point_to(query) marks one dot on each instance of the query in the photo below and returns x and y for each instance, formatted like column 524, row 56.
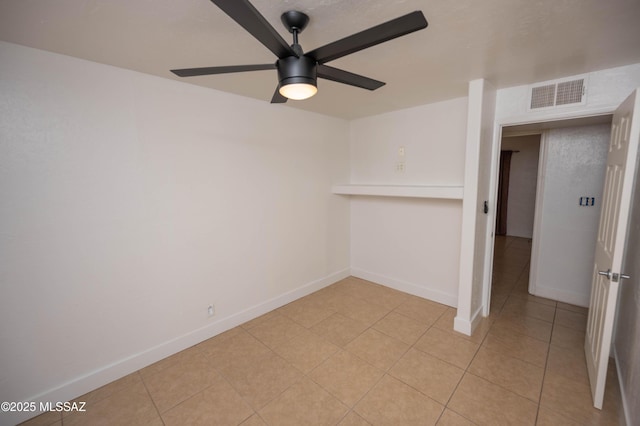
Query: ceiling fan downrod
column 297, row 75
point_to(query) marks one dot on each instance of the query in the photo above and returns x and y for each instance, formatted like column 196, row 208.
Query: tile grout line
column 466, row 370
column 546, row 363
column 150, row 397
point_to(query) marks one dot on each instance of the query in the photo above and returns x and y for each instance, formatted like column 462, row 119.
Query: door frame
column 539, row 118
column 537, row 202
column 537, row 215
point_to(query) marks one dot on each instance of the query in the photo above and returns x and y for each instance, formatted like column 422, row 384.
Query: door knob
column 613, row 276
column 606, row 273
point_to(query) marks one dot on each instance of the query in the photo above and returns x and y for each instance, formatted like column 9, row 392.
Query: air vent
column 569, row 92
column 543, row 96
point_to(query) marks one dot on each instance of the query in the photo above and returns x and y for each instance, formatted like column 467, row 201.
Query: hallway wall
column 522, row 184
column 574, row 166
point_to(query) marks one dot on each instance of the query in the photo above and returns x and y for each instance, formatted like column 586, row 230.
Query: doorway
column 547, row 211
column 517, row 184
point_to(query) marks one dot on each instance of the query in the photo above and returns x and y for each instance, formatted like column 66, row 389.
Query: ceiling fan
column 298, row 71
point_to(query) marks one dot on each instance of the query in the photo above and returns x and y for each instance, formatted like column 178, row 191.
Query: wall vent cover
column 566, row 92
column 543, row 96
column 570, row 92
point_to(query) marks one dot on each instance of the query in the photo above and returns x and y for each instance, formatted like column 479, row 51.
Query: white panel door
column 614, row 217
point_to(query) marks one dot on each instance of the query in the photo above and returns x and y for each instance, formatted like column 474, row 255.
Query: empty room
column 263, row 212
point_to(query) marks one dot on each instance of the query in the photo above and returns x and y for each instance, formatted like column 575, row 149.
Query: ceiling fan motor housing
column 292, row 70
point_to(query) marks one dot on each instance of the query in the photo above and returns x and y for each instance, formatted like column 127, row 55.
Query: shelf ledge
column 411, row 191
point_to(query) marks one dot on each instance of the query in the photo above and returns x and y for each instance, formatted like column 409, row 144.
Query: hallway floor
column 357, row 353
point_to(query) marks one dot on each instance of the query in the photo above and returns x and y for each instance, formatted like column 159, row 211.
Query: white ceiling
column 508, row 42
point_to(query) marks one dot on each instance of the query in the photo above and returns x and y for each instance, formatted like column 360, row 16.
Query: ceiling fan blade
column 192, row 72
column 346, row 77
column 251, row 20
column 389, row 30
column 277, row 97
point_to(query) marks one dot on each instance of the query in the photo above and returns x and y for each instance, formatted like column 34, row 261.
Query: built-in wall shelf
column 411, row 191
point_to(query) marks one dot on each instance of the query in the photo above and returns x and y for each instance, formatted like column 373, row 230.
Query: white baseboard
column 463, row 325
column 108, row 373
column 407, row 287
column 571, row 298
column 466, row 326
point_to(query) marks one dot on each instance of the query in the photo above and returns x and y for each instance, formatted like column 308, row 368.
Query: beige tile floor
column 357, row 353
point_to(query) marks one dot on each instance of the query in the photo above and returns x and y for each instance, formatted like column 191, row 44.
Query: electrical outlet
column 401, row 151
column 211, row 310
column 400, row 166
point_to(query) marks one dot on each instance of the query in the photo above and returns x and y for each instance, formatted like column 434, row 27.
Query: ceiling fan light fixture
column 298, row 91
column 297, row 77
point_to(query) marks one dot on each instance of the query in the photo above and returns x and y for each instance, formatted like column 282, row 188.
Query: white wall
column 522, row 184
column 574, row 165
column 412, row 245
column 130, row 202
